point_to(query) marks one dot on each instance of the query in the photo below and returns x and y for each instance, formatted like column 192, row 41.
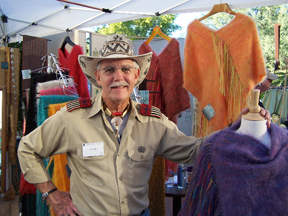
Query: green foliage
column 281, row 79
column 265, row 18
column 141, row 27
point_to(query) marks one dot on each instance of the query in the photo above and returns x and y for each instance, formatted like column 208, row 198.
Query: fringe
column 231, row 86
column 202, row 195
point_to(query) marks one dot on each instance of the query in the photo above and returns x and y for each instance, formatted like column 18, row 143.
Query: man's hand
column 61, row 203
column 263, row 112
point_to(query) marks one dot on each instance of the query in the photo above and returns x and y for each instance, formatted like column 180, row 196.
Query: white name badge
column 93, row 149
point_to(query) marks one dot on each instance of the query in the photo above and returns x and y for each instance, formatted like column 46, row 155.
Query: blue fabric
column 45, row 101
column 146, row 213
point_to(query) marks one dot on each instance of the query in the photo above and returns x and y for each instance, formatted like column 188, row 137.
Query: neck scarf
column 116, row 117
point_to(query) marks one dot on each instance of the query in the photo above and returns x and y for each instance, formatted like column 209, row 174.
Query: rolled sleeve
column 48, row 139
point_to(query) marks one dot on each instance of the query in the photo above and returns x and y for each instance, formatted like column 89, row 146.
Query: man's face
column 117, row 85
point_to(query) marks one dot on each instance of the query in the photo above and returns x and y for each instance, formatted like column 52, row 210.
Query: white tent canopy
column 46, row 17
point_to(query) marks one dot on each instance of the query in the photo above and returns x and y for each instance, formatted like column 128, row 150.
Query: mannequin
column 241, row 170
column 253, row 124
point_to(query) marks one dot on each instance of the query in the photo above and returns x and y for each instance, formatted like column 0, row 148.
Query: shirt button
column 120, row 177
column 122, row 202
column 119, row 154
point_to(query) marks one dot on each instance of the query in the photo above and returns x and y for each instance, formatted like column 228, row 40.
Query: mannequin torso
column 255, row 129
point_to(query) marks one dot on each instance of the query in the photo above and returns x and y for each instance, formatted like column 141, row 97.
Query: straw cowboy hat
column 115, row 47
column 271, row 76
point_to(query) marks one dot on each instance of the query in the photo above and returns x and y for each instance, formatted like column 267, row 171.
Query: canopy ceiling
column 46, row 17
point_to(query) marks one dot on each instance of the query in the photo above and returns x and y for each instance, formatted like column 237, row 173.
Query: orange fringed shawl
column 221, row 67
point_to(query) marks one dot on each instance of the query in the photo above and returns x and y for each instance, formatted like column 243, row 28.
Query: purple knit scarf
column 237, row 175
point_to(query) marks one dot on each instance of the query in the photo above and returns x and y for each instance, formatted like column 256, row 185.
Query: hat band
column 122, row 53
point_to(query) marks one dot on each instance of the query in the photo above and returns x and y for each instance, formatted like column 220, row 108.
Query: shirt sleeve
column 176, row 146
column 48, row 139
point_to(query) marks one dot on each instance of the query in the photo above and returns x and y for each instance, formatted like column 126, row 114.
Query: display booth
column 49, row 76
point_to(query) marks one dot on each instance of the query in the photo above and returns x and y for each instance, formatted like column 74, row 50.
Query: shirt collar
column 97, row 106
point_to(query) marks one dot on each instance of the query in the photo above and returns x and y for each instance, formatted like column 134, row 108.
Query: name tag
column 93, row 149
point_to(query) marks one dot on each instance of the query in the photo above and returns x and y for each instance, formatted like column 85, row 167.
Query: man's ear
column 97, row 74
column 137, row 75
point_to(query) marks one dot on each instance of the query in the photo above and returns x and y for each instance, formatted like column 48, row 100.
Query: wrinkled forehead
column 116, row 62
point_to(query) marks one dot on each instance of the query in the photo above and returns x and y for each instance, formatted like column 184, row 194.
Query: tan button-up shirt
column 116, row 182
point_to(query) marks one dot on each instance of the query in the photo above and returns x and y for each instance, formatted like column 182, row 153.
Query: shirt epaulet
column 78, row 103
column 148, row 110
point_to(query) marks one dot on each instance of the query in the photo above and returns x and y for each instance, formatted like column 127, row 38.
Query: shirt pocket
column 140, row 165
column 93, row 170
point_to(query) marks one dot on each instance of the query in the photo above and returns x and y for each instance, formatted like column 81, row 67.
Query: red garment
column 26, row 187
column 70, row 61
column 166, row 70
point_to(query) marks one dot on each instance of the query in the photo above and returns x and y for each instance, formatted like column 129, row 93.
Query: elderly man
column 111, row 142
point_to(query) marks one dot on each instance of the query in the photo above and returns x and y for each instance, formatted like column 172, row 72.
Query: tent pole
column 163, row 11
column 99, row 14
column 34, row 23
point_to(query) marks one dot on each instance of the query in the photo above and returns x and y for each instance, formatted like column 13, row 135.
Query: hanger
column 68, row 40
column 219, row 8
column 157, row 30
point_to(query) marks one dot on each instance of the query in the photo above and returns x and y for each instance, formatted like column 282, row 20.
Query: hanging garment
column 59, row 91
column 166, row 70
column 70, row 61
column 45, row 101
column 221, row 67
column 237, row 175
column 31, row 122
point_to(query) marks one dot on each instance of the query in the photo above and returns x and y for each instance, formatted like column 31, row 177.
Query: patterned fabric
column 79, row 103
column 221, row 67
column 238, row 175
column 148, row 110
column 116, row 44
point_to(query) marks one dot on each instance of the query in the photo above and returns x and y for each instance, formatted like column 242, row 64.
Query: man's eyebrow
column 109, row 66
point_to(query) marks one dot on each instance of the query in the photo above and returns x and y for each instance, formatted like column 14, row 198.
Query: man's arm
column 49, row 139
column 179, row 148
